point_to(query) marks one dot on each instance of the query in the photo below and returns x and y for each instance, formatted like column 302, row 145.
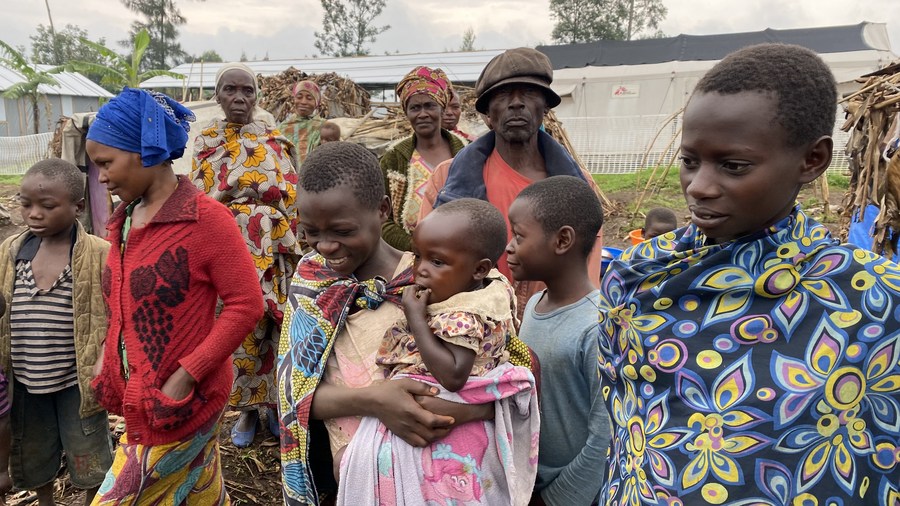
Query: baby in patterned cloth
column 460, row 310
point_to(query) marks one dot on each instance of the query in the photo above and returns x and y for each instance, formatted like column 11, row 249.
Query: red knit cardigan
column 161, row 296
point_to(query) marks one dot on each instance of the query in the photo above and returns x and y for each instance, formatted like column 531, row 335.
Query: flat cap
column 522, row 65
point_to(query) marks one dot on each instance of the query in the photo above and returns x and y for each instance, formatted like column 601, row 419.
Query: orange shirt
column 503, row 184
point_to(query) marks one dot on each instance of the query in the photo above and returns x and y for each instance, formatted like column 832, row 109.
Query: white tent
column 616, row 94
column 623, row 89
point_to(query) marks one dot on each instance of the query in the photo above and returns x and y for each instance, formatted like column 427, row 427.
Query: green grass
column 669, row 194
column 11, row 179
column 635, row 181
column 838, row 182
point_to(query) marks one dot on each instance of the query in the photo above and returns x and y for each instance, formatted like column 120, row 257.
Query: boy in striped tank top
column 5, row 481
column 50, row 338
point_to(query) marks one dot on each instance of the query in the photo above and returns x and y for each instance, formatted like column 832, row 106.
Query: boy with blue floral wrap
column 749, row 358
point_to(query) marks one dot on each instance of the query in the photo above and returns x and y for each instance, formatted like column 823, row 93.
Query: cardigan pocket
column 167, row 414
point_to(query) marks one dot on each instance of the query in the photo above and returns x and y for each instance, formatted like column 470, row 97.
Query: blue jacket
column 466, row 175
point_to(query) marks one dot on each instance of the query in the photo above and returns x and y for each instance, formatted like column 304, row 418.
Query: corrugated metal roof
column 461, row 67
column 70, row 83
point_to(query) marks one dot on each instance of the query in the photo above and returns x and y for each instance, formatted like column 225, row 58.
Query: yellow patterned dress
column 249, row 168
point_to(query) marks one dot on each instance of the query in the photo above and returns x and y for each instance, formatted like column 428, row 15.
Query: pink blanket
column 490, row 463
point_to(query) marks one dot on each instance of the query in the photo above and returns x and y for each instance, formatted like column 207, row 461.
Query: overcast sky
column 284, row 28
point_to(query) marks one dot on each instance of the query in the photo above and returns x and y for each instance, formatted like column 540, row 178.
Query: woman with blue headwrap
column 165, row 364
column 246, row 165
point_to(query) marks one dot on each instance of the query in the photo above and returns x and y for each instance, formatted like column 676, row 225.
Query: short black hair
column 488, row 232
column 661, row 215
column 800, row 82
column 560, row 201
column 344, row 163
column 57, row 169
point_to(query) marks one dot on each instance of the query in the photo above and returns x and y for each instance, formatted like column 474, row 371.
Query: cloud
column 284, row 28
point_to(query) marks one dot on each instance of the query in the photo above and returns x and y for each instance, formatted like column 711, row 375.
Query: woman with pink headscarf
column 407, row 165
column 302, row 127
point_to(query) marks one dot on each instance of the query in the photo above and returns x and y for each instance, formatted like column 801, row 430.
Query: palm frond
column 13, row 58
column 18, row 90
column 141, row 42
column 100, row 48
column 94, row 68
column 154, row 73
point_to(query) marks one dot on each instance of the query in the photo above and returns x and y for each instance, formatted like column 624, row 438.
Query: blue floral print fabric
column 762, row 371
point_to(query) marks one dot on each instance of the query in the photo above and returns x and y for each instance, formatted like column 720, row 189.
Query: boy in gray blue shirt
column 554, row 225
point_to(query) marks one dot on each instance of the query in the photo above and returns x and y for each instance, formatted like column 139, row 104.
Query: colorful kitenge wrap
column 433, row 82
column 304, row 134
column 488, row 462
column 765, row 370
column 248, row 168
column 144, row 122
column 183, row 472
column 319, row 302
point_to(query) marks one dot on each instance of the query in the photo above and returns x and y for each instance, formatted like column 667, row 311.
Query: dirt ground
column 252, row 475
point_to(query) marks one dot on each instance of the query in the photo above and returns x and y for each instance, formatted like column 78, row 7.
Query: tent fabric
column 834, row 39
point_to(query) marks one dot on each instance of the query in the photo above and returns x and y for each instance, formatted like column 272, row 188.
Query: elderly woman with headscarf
column 246, row 165
column 164, row 363
column 407, row 165
column 303, row 125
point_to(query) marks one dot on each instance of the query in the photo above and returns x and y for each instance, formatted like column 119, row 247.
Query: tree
column 118, row 71
column 590, row 20
column 69, row 46
column 208, row 56
column 28, row 88
column 347, row 26
column 468, row 41
column 161, row 20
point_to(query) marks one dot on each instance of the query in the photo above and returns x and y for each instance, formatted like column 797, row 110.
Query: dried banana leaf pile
column 377, row 130
column 873, row 120
column 341, row 97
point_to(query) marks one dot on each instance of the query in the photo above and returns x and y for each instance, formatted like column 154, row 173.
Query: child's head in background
column 329, row 132
column 658, row 221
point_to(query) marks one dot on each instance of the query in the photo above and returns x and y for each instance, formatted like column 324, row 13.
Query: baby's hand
column 415, row 299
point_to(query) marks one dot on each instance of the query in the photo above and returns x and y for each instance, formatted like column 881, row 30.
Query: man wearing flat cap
column 514, row 92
